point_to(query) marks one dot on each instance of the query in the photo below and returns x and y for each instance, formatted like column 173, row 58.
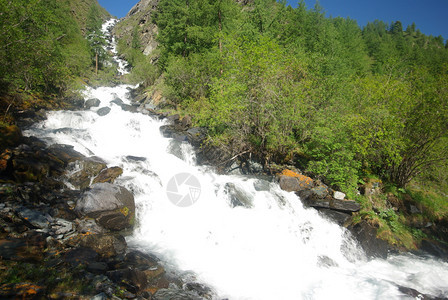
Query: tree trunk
column 96, row 63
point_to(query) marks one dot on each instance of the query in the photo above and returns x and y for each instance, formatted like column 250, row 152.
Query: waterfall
column 266, row 246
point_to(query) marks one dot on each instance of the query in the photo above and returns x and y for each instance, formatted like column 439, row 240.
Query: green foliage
column 42, row 47
column 283, row 83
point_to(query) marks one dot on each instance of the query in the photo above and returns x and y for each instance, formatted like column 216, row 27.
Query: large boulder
column 366, row 234
column 112, row 206
column 94, row 102
column 293, row 182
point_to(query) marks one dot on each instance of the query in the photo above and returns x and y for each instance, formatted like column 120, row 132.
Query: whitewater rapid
column 272, row 248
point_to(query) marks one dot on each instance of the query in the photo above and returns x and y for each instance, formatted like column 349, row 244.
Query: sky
column 430, row 16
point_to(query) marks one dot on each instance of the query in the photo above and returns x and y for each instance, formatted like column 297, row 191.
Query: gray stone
column 61, row 226
column 238, row 197
column 103, row 111
column 112, row 206
column 92, row 103
column 104, row 197
column 34, row 217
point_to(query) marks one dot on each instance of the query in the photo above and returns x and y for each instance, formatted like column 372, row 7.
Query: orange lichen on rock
column 302, row 178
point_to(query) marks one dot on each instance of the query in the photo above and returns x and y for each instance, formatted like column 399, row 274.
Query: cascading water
column 269, row 247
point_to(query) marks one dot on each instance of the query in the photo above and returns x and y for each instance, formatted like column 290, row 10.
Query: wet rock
column 113, row 206
column 66, row 153
column 186, row 122
column 88, row 169
column 103, row 111
column 106, row 245
column 196, row 136
column 175, row 294
column 75, row 101
column 132, row 279
column 325, row 261
column 108, row 175
column 416, row 294
column 435, row 248
column 130, row 108
column 338, row 217
column 88, row 226
column 365, row 234
column 92, row 103
column 199, row 289
column 262, row 185
column 238, row 197
column 117, row 101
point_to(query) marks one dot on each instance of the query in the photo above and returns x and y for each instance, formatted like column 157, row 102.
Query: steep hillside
column 44, row 50
column 83, row 10
column 138, row 25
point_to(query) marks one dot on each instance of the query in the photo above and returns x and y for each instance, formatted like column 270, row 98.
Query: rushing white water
column 272, row 249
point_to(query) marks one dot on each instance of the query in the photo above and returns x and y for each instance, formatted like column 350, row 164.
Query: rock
column 365, row 234
column 66, row 153
column 61, row 226
column 238, row 197
column 262, row 185
column 34, row 217
column 108, row 175
column 173, row 118
column 338, row 217
column 97, row 267
column 294, row 182
column 80, row 256
column 345, row 205
column 175, row 294
column 88, row 169
column 200, row 289
column 339, row 195
column 129, row 108
column 30, row 249
column 113, row 206
column 92, row 103
column 436, row 248
column 196, row 136
column 103, row 111
column 75, row 101
column 117, row 101
column 186, row 122
column 10, row 136
column 88, row 226
column 132, row 279
column 106, row 245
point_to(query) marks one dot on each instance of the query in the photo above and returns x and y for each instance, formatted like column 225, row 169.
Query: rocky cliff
column 139, row 21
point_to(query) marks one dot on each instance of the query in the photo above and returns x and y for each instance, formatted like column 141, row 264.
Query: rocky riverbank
column 69, row 243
